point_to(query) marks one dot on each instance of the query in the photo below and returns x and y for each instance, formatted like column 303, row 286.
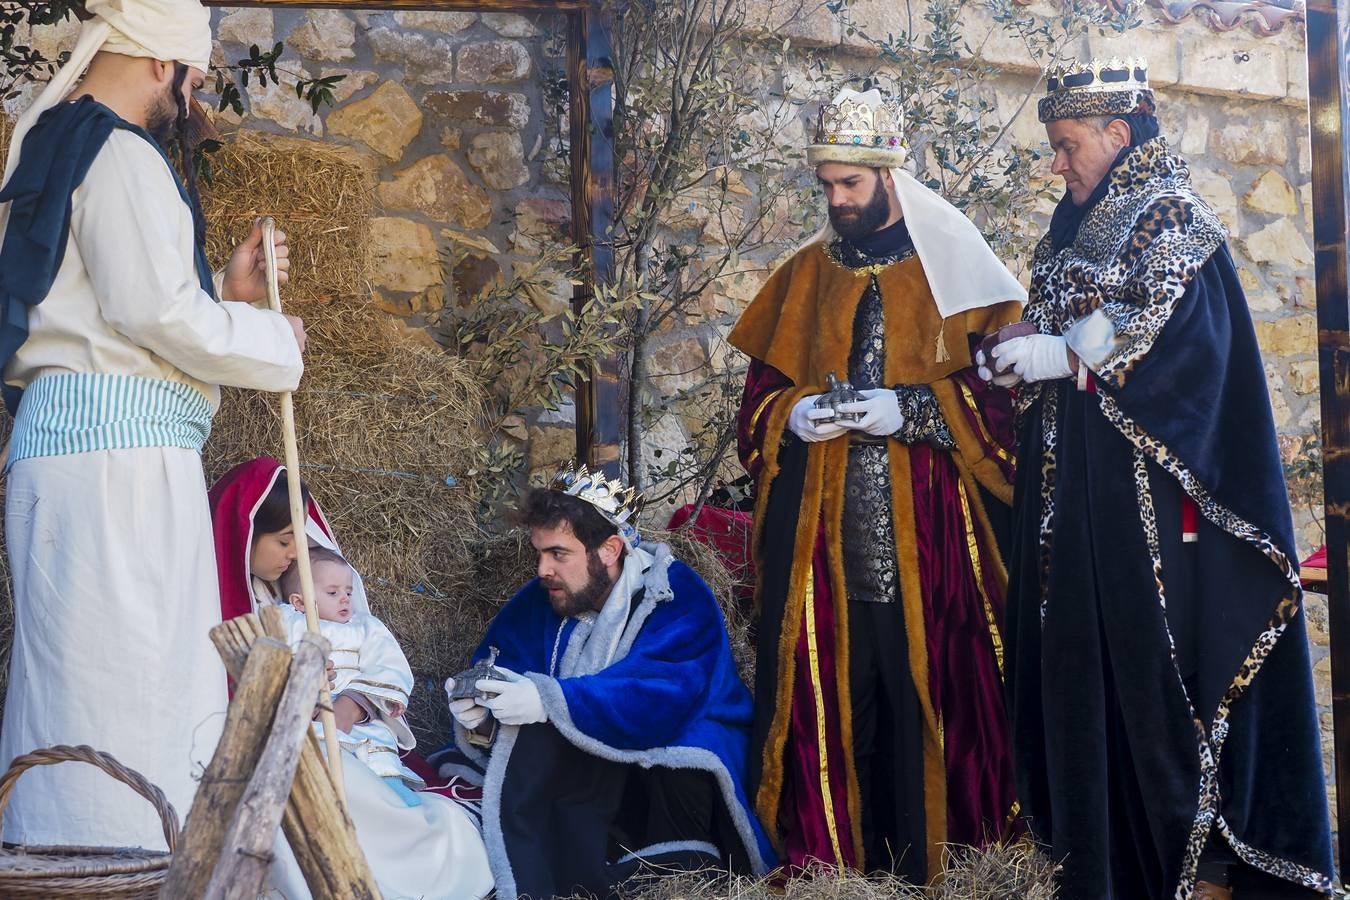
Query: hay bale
column 1018, row 871
column 321, row 196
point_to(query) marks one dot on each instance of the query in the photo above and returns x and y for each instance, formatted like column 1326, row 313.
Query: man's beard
column 852, row 222
column 161, row 118
column 591, row 595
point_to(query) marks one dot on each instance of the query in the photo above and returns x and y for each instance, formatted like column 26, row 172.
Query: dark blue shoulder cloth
column 56, row 155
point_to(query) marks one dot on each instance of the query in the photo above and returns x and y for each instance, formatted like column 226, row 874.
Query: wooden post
column 247, row 722
column 242, row 869
column 316, row 824
column 1328, row 44
column 590, row 87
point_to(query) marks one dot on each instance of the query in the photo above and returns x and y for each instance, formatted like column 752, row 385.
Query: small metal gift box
column 838, row 392
column 466, row 682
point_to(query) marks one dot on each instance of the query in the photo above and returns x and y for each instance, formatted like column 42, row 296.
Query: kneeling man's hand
column 516, row 703
column 466, row 710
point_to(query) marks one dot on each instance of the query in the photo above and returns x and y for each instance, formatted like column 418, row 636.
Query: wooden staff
column 299, row 516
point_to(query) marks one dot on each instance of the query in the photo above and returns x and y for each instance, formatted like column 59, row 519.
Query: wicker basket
column 93, row 872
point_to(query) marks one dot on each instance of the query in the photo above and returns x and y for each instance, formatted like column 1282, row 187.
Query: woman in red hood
column 429, row 851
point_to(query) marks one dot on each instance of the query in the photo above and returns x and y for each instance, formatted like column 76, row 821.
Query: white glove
column 517, row 702
column 1005, row 380
column 881, row 412
column 802, row 422
column 466, row 710
column 1035, row 357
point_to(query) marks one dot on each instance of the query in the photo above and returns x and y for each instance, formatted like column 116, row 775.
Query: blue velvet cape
column 673, row 699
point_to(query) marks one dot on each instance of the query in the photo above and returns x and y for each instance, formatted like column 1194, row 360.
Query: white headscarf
column 962, row 271
column 168, row 30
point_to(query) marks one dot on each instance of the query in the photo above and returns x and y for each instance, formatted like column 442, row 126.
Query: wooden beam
column 315, row 823
column 1328, row 43
column 246, row 725
column 590, row 91
column 241, row 871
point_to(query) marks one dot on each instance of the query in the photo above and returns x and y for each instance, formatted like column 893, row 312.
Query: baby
column 369, row 669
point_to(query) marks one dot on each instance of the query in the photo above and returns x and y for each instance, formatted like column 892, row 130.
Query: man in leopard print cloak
column 1164, row 724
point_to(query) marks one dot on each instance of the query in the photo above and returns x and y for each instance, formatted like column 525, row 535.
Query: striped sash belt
column 80, row 412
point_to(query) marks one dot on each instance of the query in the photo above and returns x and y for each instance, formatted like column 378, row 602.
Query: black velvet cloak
column 1159, row 681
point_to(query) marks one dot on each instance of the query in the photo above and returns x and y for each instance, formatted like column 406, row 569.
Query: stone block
column 1155, row 41
column 494, row 62
column 994, row 43
column 1297, row 94
column 1252, row 143
column 1272, row 194
column 1185, row 123
column 510, row 25
column 489, row 108
column 807, row 23
column 677, row 365
column 351, row 84
column 446, row 22
column 1287, row 336
column 1280, row 243
column 438, row 187
column 247, row 26
column 1236, row 64
column 472, row 275
column 538, row 222
column 499, row 159
column 1218, row 191
column 386, row 121
column 551, row 448
column 1305, row 197
column 402, row 255
column 326, row 34
column 462, row 241
column 277, row 103
column 867, row 22
column 425, row 58
column 1303, row 376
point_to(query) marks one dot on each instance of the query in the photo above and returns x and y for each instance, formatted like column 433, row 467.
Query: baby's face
column 333, row 591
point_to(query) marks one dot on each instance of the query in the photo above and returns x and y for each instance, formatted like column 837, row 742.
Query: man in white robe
column 108, row 531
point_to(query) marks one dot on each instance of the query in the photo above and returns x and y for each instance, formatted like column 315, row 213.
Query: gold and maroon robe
column 952, row 579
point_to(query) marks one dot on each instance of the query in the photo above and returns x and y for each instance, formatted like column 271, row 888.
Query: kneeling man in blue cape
column 615, row 730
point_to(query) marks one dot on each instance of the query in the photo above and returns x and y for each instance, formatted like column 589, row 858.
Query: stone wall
column 455, row 112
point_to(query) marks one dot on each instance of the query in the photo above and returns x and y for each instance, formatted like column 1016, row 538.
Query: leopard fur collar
column 1147, row 237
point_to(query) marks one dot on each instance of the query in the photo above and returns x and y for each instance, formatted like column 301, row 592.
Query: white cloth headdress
column 962, row 271
column 168, row 30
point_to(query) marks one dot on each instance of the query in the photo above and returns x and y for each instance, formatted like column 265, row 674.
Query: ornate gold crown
column 854, row 131
column 618, row 504
column 1102, row 87
column 1099, row 75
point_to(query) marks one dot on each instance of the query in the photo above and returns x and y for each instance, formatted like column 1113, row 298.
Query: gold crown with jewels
column 1116, row 86
column 853, row 130
column 618, row 504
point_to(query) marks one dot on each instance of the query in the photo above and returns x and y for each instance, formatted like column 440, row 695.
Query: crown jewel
column 1099, row 75
column 856, row 122
column 618, row 504
column 1102, row 87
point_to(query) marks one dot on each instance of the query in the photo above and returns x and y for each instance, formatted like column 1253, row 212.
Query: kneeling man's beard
column 591, row 595
column 853, row 222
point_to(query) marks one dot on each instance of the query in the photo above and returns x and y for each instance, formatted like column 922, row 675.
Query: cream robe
column 428, row 852
column 112, row 550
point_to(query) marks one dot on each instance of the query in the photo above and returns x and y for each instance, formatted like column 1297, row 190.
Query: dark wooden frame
column 591, row 118
column 1328, row 71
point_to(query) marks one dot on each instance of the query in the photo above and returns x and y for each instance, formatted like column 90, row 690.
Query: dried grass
column 321, row 196
column 1012, row 872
